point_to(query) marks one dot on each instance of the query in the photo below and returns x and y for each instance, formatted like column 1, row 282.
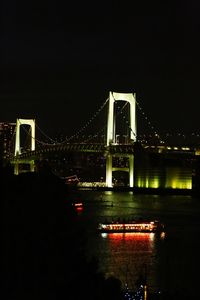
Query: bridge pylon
column 111, row 135
column 110, row 168
column 31, row 163
column 31, row 123
column 128, row 97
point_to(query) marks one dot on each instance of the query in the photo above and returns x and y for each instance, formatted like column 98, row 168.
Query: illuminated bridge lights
column 140, row 175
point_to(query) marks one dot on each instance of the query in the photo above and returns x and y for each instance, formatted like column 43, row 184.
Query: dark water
column 171, row 261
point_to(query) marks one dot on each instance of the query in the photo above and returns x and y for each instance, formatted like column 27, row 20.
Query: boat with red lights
column 131, row 226
column 77, row 204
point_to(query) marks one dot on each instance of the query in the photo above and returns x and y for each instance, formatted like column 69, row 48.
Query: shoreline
column 136, row 190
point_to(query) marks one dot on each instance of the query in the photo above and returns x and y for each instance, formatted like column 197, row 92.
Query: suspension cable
column 70, row 138
column 28, row 132
column 53, row 142
column 101, row 130
column 148, row 122
column 45, row 134
column 89, row 122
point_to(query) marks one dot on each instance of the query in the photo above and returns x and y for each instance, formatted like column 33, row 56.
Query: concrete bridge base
column 110, row 168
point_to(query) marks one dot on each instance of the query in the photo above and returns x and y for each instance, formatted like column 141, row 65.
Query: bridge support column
column 23, row 166
column 16, row 168
column 32, row 166
column 109, row 170
column 131, row 168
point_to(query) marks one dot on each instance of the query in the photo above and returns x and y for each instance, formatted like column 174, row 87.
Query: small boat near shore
column 130, row 226
column 72, row 180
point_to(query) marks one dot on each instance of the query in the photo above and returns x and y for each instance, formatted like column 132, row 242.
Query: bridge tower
column 111, row 135
column 31, row 123
column 128, row 97
column 17, row 137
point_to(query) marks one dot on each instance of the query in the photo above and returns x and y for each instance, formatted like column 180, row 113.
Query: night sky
column 59, row 61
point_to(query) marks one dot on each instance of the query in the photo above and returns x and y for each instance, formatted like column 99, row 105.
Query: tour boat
column 131, row 226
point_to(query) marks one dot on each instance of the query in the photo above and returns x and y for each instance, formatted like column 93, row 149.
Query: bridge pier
column 131, row 170
column 18, row 169
column 110, row 168
column 32, row 166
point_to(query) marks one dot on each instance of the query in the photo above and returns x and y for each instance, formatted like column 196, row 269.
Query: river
column 171, row 260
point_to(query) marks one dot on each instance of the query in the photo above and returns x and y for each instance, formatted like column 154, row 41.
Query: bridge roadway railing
column 120, row 149
column 75, row 147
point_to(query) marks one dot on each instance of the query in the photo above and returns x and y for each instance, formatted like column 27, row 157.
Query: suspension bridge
column 115, row 141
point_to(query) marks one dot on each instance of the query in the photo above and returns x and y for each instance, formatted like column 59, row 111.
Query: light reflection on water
column 170, row 259
column 137, row 249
